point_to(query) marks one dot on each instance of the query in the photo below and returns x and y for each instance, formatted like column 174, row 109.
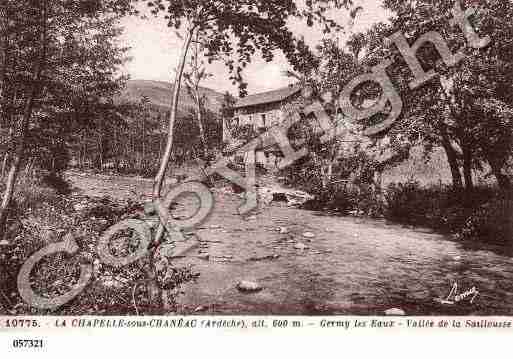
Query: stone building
column 261, row 111
column 264, row 110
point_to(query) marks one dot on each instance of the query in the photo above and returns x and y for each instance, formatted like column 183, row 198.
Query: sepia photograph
column 214, row 158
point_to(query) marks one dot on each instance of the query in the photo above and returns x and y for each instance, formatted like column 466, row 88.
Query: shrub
column 32, row 194
column 413, row 204
column 490, row 222
column 56, row 182
column 485, row 214
column 405, row 202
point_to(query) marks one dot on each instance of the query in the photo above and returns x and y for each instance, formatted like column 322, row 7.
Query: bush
column 413, row 204
column 485, row 214
column 58, row 183
column 32, row 194
column 408, row 203
column 491, row 222
column 345, row 198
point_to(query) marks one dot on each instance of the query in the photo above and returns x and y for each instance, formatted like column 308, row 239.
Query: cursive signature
column 455, row 296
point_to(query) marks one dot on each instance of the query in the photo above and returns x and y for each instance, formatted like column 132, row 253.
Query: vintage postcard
column 253, row 166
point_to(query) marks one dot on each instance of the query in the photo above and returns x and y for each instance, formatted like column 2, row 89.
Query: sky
column 155, row 50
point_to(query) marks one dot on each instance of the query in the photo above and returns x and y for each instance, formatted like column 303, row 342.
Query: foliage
column 58, row 64
column 483, row 215
column 229, row 101
column 40, row 216
column 490, row 222
column 408, row 202
column 454, row 110
column 233, row 31
column 351, row 188
column 188, row 143
column 465, row 110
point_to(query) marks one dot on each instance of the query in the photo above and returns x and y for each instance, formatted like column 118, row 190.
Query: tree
column 256, row 25
column 227, row 113
column 59, row 64
column 197, row 73
column 34, row 41
column 467, row 109
column 235, row 31
column 350, row 155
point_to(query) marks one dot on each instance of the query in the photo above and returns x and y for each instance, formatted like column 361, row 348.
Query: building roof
column 268, row 97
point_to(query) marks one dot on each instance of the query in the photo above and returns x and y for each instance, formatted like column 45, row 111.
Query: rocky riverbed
column 307, row 262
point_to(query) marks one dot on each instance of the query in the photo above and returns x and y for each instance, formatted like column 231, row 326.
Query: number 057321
column 27, row 343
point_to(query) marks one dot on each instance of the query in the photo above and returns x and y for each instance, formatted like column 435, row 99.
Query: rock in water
column 247, row 286
column 263, row 258
column 204, row 256
column 395, row 312
column 300, row 246
column 149, row 209
column 283, row 230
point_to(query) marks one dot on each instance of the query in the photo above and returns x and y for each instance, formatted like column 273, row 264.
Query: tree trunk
column 330, row 172
column 159, row 179
column 4, row 163
column 161, row 138
column 452, row 158
column 467, row 168
column 200, row 125
column 155, row 294
column 323, row 176
column 4, row 55
column 4, row 20
column 84, row 151
column 116, row 149
column 18, row 155
column 100, row 147
column 503, row 180
column 194, row 90
column 143, row 159
column 5, row 160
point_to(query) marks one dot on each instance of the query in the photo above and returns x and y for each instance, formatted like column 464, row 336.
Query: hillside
column 160, row 92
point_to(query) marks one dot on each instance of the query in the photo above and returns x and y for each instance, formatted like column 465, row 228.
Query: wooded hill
column 159, row 94
column 133, row 140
